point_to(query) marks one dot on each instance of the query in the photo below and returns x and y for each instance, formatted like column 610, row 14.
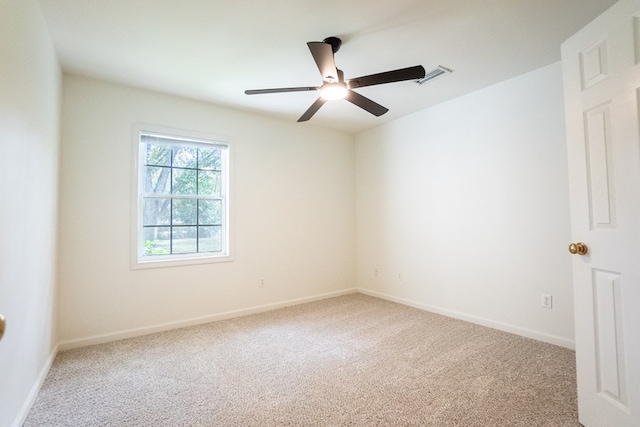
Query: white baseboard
column 130, row 333
column 528, row 333
column 35, row 389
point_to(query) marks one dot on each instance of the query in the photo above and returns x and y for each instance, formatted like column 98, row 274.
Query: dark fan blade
column 323, row 55
column 312, row 110
column 410, row 73
column 281, row 89
column 365, row 103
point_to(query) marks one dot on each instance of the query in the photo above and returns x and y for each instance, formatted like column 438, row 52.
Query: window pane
column 209, row 212
column 184, row 212
column 184, row 240
column 185, row 157
column 181, row 192
column 158, row 155
column 210, row 239
column 184, row 181
column 156, row 211
column 156, row 241
column 209, row 159
column 209, row 183
column 157, row 180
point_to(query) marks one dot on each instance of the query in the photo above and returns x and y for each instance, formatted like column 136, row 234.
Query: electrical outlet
column 375, row 272
column 400, row 276
column 262, row 282
column 547, row 301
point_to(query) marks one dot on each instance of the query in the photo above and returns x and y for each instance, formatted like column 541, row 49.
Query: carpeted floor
column 346, row 361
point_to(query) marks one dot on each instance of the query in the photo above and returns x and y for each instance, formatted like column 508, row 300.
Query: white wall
column 293, row 215
column 29, row 111
column 468, row 200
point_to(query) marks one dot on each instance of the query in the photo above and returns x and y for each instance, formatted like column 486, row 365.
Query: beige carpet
column 352, row 360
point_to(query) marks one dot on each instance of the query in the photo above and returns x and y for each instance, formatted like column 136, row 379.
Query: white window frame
column 138, row 259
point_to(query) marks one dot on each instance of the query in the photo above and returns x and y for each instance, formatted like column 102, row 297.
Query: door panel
column 611, row 364
column 600, row 168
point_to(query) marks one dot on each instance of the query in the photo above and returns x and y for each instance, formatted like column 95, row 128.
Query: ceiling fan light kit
column 331, row 91
column 335, row 87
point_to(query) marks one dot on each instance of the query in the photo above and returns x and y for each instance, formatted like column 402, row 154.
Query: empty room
column 419, row 212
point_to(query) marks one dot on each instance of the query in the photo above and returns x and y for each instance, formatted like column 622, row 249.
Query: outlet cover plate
column 547, row 301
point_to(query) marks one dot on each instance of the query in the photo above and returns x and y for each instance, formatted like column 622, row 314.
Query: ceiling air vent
column 433, row 74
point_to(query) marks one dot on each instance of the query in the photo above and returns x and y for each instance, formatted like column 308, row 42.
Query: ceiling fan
column 335, row 87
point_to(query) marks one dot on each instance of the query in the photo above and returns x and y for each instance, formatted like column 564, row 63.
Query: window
column 182, row 207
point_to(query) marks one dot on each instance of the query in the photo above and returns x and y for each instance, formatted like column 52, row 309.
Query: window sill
column 178, row 262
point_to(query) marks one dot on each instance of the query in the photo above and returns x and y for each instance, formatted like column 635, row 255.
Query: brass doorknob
column 2, row 323
column 578, row 248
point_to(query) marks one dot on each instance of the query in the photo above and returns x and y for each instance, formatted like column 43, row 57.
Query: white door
column 602, row 87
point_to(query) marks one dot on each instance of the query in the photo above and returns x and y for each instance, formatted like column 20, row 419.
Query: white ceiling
column 213, row 50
